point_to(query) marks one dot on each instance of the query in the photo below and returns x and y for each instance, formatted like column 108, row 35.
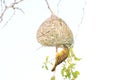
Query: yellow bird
column 61, row 56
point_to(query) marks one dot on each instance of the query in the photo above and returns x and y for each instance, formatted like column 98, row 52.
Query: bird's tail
column 53, row 69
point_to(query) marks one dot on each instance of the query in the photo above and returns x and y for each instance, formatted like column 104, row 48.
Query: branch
column 58, row 6
column 49, row 6
column 5, row 7
column 2, row 14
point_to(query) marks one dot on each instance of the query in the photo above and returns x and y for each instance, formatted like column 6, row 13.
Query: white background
column 97, row 41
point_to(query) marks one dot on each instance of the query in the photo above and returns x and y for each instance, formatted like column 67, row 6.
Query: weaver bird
column 61, row 56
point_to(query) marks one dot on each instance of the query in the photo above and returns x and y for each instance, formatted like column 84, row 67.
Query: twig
column 8, row 20
column 39, row 48
column 49, row 6
column 58, row 6
column 5, row 7
column 2, row 14
column 83, row 13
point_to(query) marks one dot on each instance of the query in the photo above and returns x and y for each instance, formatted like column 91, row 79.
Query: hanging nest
column 54, row 32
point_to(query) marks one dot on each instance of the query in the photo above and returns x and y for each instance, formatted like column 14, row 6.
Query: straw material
column 54, row 32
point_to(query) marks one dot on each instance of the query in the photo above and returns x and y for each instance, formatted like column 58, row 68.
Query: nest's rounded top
column 54, row 32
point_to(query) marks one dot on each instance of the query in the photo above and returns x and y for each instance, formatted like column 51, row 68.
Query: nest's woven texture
column 54, row 32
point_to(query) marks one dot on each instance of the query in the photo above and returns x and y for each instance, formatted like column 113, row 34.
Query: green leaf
column 46, row 67
column 53, row 78
column 47, row 58
column 75, row 74
column 71, row 65
column 71, row 50
column 63, row 71
column 77, row 59
column 68, row 73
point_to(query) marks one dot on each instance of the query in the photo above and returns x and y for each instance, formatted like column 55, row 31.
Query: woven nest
column 54, row 32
